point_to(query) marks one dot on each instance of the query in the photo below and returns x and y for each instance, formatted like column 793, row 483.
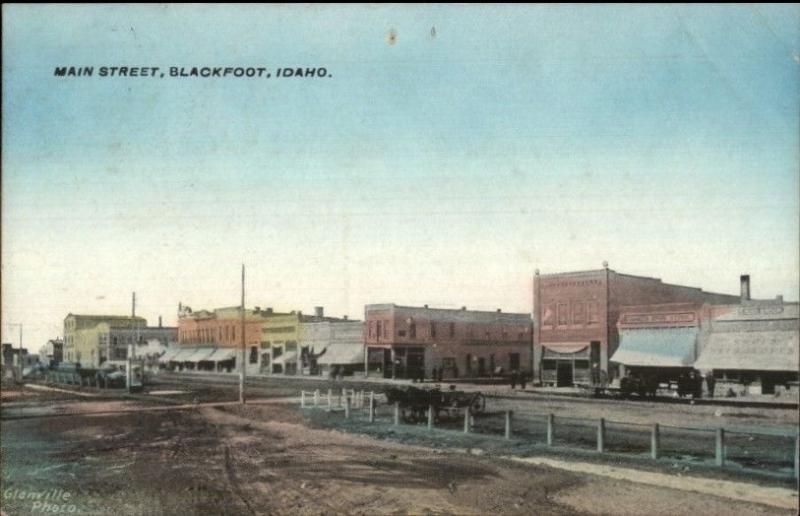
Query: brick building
column 212, row 339
column 402, row 341
column 576, row 313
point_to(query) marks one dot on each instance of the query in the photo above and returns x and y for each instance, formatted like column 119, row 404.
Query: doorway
column 564, row 373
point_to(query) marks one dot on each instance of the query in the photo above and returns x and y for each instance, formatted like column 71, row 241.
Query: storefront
column 569, row 363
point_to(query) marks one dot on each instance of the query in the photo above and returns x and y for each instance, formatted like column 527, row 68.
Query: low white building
column 332, row 345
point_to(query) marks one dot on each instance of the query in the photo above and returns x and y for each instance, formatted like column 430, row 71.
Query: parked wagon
column 414, row 402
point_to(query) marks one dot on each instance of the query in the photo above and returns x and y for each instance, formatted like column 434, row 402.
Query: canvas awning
column 169, row 355
column 343, row 354
column 657, row 347
column 556, row 349
column 221, row 355
column 753, row 351
column 183, row 354
column 200, row 355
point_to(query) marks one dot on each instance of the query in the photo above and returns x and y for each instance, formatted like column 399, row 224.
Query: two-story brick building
column 576, row 315
column 404, row 341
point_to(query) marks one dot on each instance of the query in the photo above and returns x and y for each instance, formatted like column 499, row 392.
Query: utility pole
column 129, row 372
column 244, row 349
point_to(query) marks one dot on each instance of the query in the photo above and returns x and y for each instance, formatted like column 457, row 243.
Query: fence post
column 302, row 399
column 797, row 457
column 396, row 413
column 347, row 407
column 720, row 448
column 466, row 420
column 316, row 397
column 371, row 408
column 508, row 424
column 330, row 399
column 654, row 442
column 430, row 417
column 601, row 435
column 550, row 429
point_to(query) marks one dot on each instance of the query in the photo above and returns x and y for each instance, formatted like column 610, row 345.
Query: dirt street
column 272, row 459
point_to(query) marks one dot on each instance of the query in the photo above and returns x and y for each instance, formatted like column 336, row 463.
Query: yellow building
column 85, row 336
column 279, row 337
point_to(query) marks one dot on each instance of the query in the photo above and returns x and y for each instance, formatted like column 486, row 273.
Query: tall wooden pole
column 244, row 349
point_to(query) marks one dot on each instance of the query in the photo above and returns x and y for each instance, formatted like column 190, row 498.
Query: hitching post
column 508, row 424
column 601, row 435
column 430, row 417
column 302, row 399
column 316, row 397
column 347, row 407
column 396, row 413
column 371, row 406
column 466, row 420
column 330, row 395
column 720, row 451
column 654, row 442
column 550, row 429
column 797, row 457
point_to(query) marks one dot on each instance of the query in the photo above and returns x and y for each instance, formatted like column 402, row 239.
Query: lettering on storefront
column 683, row 317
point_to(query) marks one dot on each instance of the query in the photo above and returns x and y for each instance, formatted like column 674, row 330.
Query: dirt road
column 270, row 459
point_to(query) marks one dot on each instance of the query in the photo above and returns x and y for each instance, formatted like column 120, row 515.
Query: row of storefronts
column 741, row 346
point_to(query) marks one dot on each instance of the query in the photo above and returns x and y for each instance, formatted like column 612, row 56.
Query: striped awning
column 169, row 355
column 221, row 355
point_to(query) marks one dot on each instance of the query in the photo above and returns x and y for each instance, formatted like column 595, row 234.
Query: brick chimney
column 744, row 281
column 319, row 311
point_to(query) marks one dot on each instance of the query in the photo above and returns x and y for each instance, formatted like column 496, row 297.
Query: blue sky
column 441, row 169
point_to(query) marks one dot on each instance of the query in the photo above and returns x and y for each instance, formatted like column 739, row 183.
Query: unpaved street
column 273, row 459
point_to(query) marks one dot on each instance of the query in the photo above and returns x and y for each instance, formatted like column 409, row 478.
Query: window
column 549, row 315
column 468, row 362
column 385, row 324
column 401, row 333
column 412, row 330
column 513, row 361
column 433, row 330
column 578, row 316
column 378, row 325
column 593, row 315
column 452, row 330
column 563, row 315
column 253, row 354
column 277, row 351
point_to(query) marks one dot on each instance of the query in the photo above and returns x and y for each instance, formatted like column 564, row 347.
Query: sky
column 449, row 153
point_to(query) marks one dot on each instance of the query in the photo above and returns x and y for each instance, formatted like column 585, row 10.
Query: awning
column 200, row 355
column 169, row 355
column 183, row 355
column 657, row 347
column 338, row 353
column 221, row 355
column 753, row 351
column 556, row 349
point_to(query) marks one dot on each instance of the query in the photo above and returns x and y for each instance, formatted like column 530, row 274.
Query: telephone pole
column 244, row 349
column 129, row 372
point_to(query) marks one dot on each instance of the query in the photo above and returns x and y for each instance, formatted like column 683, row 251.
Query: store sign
column 683, row 317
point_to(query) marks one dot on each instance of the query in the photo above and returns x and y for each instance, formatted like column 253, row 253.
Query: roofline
column 456, row 310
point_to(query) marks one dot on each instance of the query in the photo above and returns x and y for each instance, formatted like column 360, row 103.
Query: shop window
column 549, row 365
column 253, row 354
column 277, row 351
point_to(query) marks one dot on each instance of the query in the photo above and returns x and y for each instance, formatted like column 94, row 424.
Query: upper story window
column 433, row 330
column 563, row 314
column 578, row 314
column 412, row 331
column 452, row 330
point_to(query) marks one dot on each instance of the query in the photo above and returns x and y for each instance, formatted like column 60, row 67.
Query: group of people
column 520, row 378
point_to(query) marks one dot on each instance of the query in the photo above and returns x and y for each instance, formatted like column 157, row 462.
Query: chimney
column 426, row 306
column 159, row 321
column 463, row 308
column 744, row 281
column 498, row 310
column 319, row 311
column 344, row 317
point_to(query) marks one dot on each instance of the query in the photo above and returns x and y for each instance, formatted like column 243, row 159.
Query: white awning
column 565, row 347
column 340, row 354
column 183, row 355
column 200, row 355
column 221, row 355
column 169, row 355
column 753, row 351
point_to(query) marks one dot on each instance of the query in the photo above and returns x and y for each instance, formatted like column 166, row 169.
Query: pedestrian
column 513, row 380
column 441, row 374
column 434, row 373
column 523, row 379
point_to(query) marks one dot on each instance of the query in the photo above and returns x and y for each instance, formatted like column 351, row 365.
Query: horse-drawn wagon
column 414, row 402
